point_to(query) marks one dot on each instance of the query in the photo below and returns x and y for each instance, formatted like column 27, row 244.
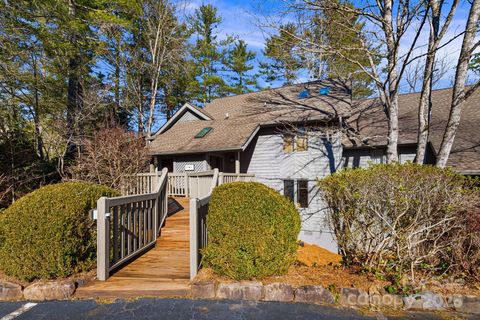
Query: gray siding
column 198, row 161
column 353, row 158
column 265, row 158
column 188, row 116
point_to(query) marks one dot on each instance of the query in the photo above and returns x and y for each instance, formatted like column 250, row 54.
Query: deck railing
column 178, row 184
column 225, row 177
column 129, row 225
column 198, row 224
column 141, row 183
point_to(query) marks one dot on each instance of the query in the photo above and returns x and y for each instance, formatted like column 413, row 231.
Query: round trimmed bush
column 48, row 233
column 252, row 231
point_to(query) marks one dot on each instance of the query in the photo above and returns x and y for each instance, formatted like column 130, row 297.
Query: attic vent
column 324, row 91
column 304, row 94
column 202, row 133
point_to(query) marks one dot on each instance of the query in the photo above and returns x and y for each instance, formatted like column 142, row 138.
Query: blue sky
column 244, row 17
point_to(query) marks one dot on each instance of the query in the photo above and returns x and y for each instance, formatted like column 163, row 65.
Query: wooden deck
column 163, row 271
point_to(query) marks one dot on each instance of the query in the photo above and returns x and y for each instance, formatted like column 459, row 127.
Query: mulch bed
column 318, row 266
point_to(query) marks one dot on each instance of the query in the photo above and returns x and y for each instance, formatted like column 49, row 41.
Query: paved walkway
column 185, row 309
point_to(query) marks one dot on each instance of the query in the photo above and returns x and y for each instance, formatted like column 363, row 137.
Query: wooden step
column 162, row 271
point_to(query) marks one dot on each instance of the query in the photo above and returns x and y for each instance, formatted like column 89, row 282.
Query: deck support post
column 193, row 238
column 237, row 163
column 103, row 239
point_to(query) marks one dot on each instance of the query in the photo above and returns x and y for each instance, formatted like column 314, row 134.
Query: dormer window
column 304, row 94
column 324, row 91
column 202, row 133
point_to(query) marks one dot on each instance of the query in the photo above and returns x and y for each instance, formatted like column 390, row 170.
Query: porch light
column 202, row 133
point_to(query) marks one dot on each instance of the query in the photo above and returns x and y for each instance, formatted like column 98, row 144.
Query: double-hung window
column 289, row 189
column 302, row 193
column 296, row 191
column 295, row 141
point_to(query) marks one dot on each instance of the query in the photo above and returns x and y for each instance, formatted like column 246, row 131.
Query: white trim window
column 297, row 191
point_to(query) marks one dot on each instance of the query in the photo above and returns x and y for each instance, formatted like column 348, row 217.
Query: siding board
column 271, row 166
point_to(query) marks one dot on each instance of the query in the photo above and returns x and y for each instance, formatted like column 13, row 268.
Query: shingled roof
column 369, row 120
column 235, row 119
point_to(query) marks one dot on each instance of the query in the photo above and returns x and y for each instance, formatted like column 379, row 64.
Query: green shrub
column 252, row 231
column 398, row 217
column 48, row 233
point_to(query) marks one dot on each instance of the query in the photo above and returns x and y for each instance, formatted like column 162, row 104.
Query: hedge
column 403, row 217
column 48, row 233
column 252, row 231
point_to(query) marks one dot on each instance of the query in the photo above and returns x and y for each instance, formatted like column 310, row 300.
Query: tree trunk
column 424, row 108
column 458, row 96
column 73, row 94
column 392, row 101
column 36, row 114
column 425, row 105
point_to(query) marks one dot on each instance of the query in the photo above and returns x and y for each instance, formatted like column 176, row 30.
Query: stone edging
column 39, row 291
column 348, row 297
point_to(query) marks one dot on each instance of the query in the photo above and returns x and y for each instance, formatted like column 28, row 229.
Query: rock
column 81, row 282
column 465, row 304
column 424, row 301
column 203, row 290
column 10, row 291
column 278, row 292
column 376, row 289
column 245, row 290
column 49, row 290
column 386, row 301
column 313, row 294
column 350, row 297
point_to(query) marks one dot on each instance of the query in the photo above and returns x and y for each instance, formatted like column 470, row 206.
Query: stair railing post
column 220, row 178
column 103, row 239
column 185, row 184
column 193, row 237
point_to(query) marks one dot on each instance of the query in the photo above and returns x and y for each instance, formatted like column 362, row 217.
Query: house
column 291, row 136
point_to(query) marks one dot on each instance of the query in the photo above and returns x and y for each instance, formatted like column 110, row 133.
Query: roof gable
column 186, row 113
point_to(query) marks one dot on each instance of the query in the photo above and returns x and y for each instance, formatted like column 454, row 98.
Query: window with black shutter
column 302, row 193
column 288, row 189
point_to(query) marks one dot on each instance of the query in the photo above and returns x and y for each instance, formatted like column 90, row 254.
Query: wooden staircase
column 163, row 271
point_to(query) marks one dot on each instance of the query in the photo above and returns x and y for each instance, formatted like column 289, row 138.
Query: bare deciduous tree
column 434, row 8
column 109, row 156
column 460, row 92
column 388, row 23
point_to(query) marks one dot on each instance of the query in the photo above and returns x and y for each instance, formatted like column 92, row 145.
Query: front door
column 167, row 163
column 216, row 162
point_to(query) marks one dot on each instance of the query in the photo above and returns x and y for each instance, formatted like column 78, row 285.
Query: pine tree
column 343, row 36
column 239, row 62
column 207, row 54
column 284, row 60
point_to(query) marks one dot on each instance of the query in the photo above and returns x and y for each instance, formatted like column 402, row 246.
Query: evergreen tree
column 239, row 62
column 343, row 36
column 284, row 60
column 207, row 54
